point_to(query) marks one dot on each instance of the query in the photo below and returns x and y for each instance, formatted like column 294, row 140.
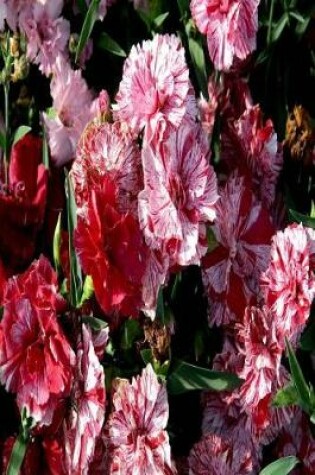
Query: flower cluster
column 153, row 253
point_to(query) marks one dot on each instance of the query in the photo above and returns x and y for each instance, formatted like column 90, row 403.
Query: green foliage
column 282, row 466
column 186, row 377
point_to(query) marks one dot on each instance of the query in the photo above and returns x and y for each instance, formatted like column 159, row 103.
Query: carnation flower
column 179, row 195
column 22, row 204
column 258, row 340
column 112, row 251
column 35, row 358
column 231, row 271
column 252, row 147
column 230, row 26
column 138, row 441
column 288, row 284
column 47, row 34
column 73, row 108
column 105, row 150
column 296, row 439
column 155, row 85
column 84, row 423
column 213, row 455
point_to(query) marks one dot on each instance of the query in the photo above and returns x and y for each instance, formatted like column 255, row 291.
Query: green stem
column 18, row 453
column 271, row 11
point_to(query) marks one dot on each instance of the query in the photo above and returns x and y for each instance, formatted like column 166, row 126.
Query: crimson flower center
column 177, row 192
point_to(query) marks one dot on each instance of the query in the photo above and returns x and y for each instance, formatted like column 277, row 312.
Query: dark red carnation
column 22, row 203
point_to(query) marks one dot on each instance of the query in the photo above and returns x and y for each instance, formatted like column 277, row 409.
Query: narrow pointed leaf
column 282, row 466
column 87, row 28
column 301, row 218
column 107, row 43
column 20, row 132
column 298, row 379
column 75, row 268
column 2, row 141
column 187, row 377
column 57, row 244
column 160, row 19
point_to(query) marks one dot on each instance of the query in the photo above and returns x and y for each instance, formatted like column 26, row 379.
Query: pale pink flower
column 15, row 8
column 105, row 150
column 138, row 441
column 231, row 271
column 155, row 85
column 72, row 110
column 230, row 26
column 141, row 4
column 213, row 455
column 84, row 423
column 179, row 195
column 251, row 146
column 288, row 284
column 47, row 34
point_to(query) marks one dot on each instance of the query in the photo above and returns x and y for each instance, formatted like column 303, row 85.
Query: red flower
column 112, row 251
column 35, row 358
column 22, row 203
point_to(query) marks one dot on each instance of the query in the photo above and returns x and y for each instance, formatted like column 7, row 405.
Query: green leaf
column 108, row 44
column 160, row 369
column 51, row 113
column 183, row 6
column 297, row 16
column 301, row 386
column 286, row 396
column 2, row 141
column 20, row 132
column 211, row 239
column 57, row 244
column 82, row 6
column 131, row 331
column 88, row 290
column 75, row 268
column 95, row 323
column 198, row 59
column 160, row 308
column 187, row 377
column 147, row 356
column 160, row 19
column 45, row 151
column 87, row 28
column 17, row 455
column 301, row 218
column 145, row 18
column 282, row 466
column 280, row 26
column 307, row 341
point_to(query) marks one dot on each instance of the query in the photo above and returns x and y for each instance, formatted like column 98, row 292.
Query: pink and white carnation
column 155, row 86
column 251, row 146
column 258, row 340
column 47, row 34
column 138, row 441
column 288, row 284
column 105, row 150
column 84, row 423
column 230, row 26
column 73, row 108
column 214, row 455
column 36, row 360
column 179, row 196
column 231, row 271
